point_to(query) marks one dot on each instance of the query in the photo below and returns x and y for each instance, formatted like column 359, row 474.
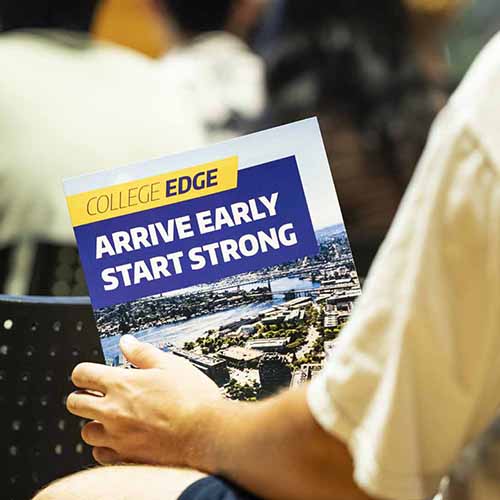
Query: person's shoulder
column 13, row 44
column 478, row 100
column 62, row 59
column 60, row 45
column 30, row 51
column 19, row 52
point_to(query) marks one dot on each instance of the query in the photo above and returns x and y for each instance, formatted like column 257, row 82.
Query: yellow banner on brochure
column 153, row 192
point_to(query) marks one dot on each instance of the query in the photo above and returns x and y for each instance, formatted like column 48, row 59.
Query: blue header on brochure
column 262, row 222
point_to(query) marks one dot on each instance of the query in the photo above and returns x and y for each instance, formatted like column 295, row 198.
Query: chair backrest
column 57, row 271
column 41, row 340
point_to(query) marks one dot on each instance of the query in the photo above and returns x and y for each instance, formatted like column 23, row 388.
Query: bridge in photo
column 295, row 294
column 288, row 294
column 297, row 274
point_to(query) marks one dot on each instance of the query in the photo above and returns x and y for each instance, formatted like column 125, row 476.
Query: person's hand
column 157, row 414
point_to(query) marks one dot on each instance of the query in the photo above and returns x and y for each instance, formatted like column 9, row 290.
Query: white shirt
column 225, row 78
column 416, row 373
column 70, row 106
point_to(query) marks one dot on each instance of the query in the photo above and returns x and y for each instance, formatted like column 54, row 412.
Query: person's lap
column 124, row 482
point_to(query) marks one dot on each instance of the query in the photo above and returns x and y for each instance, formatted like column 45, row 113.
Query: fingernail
column 129, row 341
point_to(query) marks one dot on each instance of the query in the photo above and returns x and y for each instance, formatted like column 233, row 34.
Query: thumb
column 141, row 354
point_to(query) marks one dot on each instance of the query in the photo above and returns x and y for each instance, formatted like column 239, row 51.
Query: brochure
column 234, row 256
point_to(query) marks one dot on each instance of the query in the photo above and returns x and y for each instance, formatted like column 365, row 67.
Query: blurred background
column 92, row 84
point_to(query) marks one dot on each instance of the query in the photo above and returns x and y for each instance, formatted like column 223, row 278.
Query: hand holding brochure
column 233, row 256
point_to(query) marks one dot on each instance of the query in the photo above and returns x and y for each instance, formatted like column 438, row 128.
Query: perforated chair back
column 41, row 341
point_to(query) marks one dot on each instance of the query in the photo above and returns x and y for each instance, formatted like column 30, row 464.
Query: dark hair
column 198, row 16
column 357, row 58
column 73, row 15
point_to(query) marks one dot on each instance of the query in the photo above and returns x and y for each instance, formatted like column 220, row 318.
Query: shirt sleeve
column 412, row 377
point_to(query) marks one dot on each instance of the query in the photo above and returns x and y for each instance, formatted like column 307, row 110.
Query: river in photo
column 191, row 329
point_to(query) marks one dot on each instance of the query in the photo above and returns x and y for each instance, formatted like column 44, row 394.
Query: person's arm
column 276, row 449
column 169, row 413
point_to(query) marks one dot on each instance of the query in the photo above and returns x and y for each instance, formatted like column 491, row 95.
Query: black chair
column 57, row 271
column 41, row 340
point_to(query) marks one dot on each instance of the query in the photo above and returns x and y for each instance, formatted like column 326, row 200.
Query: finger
column 95, row 434
column 85, row 405
column 106, row 456
column 93, row 376
column 141, row 354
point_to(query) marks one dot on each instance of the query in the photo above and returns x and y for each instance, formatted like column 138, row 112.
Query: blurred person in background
column 70, row 105
column 355, row 64
column 213, row 61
